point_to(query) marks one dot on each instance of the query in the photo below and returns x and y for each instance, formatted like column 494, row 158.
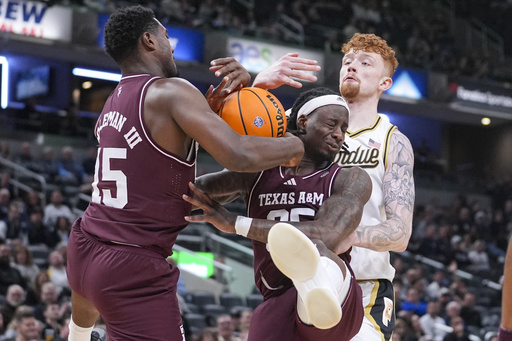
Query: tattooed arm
column 336, row 219
column 398, row 187
column 225, row 186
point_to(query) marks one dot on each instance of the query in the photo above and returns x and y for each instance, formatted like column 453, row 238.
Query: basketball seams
column 240, row 112
column 245, row 112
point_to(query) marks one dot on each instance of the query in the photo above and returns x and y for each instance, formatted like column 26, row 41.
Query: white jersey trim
column 141, row 120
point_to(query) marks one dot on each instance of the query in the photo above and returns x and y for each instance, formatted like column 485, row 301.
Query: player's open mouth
column 350, row 79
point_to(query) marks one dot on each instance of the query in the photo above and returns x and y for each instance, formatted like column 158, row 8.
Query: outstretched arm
column 398, row 185
column 282, row 71
column 337, row 218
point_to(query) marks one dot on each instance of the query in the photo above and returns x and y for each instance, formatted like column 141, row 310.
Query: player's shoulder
column 399, row 138
column 349, row 176
column 174, row 82
column 173, row 89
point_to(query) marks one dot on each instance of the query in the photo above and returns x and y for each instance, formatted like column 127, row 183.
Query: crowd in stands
column 421, row 31
column 468, row 235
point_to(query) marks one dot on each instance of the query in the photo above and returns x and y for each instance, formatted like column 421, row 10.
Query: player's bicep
column 192, row 113
column 224, row 186
column 398, row 182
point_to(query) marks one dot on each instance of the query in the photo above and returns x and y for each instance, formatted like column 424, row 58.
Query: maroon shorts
column 276, row 319
column 504, row 334
column 133, row 289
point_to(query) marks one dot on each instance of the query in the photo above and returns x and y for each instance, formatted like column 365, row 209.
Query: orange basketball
column 254, row 111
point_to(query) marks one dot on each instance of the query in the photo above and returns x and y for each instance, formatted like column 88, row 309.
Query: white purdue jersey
column 368, row 149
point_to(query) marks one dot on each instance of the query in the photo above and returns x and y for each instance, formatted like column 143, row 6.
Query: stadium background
column 455, row 70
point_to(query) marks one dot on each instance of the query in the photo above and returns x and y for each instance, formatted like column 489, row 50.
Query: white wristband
column 242, row 225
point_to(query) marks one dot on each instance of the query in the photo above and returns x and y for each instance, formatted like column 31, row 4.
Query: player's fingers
column 210, row 91
column 222, row 61
column 303, row 75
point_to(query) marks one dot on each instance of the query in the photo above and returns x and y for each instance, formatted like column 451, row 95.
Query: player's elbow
column 238, row 160
column 403, row 243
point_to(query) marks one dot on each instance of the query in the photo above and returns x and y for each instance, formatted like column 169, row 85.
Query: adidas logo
column 290, row 182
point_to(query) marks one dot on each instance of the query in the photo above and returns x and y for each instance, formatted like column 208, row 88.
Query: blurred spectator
column 478, row 258
column 5, row 150
column 459, row 332
column 23, row 261
column 408, row 280
column 34, row 292
column 25, row 158
column 48, row 165
column 5, row 182
column 439, row 281
column 49, row 295
column 5, row 200
column 429, row 321
column 458, row 256
column 468, row 312
column 208, row 334
column 64, row 331
column 56, row 208
column 464, row 221
column 51, row 323
column 61, row 230
column 15, row 297
column 205, row 13
column 57, row 271
column 245, row 322
column 3, row 327
column 38, row 232
column 428, row 244
column 225, row 328
column 17, row 224
column 71, row 171
column 89, row 162
column 458, row 288
column 26, row 326
column 8, row 274
column 452, row 312
column 32, row 202
column 413, row 303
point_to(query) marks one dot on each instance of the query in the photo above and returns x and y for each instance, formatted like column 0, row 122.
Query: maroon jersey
column 284, row 197
column 138, row 186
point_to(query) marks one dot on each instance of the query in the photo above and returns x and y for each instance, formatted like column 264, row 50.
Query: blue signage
column 409, row 84
column 188, row 44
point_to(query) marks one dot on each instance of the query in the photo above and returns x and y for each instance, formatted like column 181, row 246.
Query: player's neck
column 362, row 114
column 308, row 166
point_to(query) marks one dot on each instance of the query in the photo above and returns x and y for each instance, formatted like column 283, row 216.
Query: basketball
column 254, row 111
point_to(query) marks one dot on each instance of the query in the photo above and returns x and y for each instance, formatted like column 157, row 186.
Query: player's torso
column 137, row 186
column 368, row 148
column 284, row 197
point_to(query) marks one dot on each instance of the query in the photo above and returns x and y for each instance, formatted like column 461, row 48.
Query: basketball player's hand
column 347, row 243
column 284, row 70
column 235, row 78
column 213, row 212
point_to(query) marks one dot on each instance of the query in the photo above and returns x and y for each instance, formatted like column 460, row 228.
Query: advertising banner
column 35, row 19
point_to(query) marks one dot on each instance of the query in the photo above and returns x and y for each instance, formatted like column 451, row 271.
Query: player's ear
column 385, row 83
column 301, row 123
column 148, row 41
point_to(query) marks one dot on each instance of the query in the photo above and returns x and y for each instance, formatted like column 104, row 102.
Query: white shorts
column 379, row 312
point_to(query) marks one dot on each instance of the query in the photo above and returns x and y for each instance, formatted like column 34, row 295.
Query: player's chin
column 349, row 89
